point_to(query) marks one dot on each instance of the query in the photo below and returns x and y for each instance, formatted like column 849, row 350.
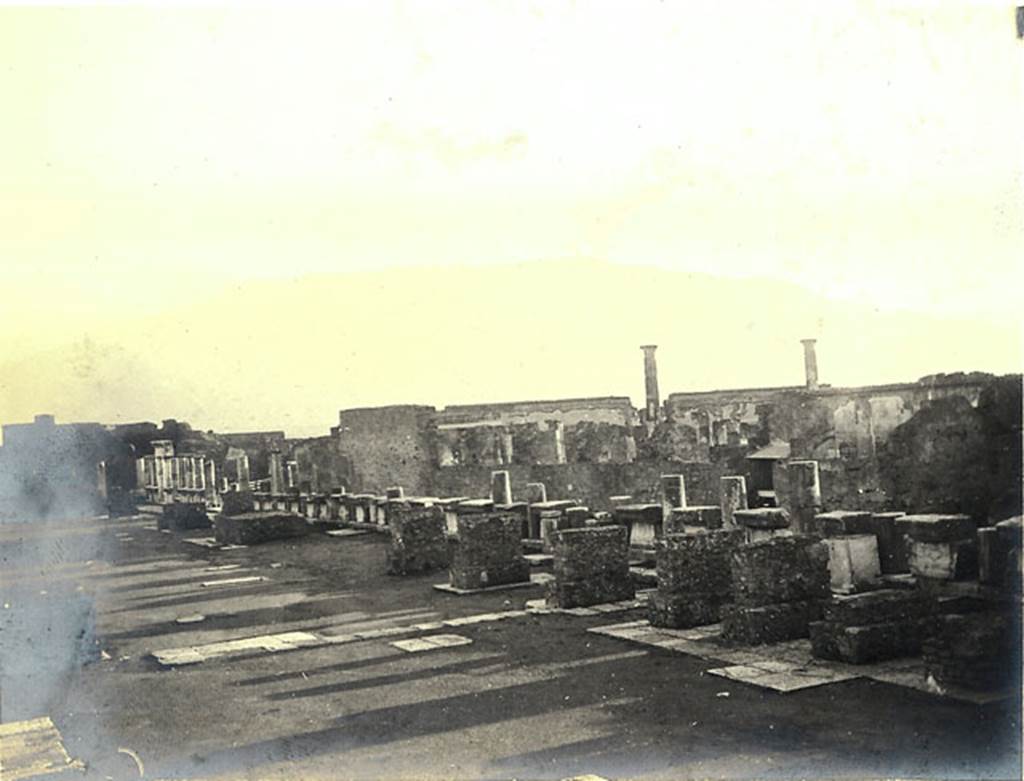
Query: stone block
column 591, row 566
column 881, row 606
column 683, row 611
column 866, row 644
column 697, row 563
column 839, row 523
column 745, row 625
column 892, row 543
column 259, row 527
column 853, row 561
column 956, row 560
column 418, row 540
column 762, row 518
column 936, row 528
column 487, row 551
column 976, row 651
column 181, row 516
column 783, row 569
column 703, row 516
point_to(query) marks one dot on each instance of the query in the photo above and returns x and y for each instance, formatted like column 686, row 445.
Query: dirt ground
column 537, row 696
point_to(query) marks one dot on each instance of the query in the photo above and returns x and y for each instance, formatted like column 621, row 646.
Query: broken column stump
column 487, row 551
column 692, row 517
column 694, row 578
column 872, row 627
column 940, row 547
column 778, row 587
column 591, row 567
column 418, row 542
column 259, row 527
column 181, row 516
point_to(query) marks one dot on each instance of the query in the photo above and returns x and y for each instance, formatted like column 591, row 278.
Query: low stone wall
column 591, row 566
column 694, row 578
column 418, row 542
column 778, row 585
column 259, row 527
column 487, row 550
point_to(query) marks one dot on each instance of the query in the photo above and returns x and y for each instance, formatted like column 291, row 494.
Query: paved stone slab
column 433, row 642
column 232, row 581
column 34, row 749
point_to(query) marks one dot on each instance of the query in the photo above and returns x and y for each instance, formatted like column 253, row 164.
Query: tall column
column 243, row 472
column 276, row 473
column 653, row 408
column 673, row 494
column 810, row 364
column 501, row 487
column 733, row 498
column 804, row 494
column 559, row 442
column 293, row 474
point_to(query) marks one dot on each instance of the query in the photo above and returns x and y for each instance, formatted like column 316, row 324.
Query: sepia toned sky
column 252, row 216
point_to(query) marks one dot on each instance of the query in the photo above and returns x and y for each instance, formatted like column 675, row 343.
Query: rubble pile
column 179, row 516
column 418, row 542
column 487, row 550
column 258, row 527
column 694, row 578
column 872, row 627
column 591, row 567
column 778, row 587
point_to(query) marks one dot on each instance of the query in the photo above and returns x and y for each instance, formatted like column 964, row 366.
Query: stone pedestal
column 591, row 567
column 501, row 487
column 418, row 541
column 853, row 562
column 694, row 516
column 762, row 523
column 673, row 494
column 694, row 578
column 734, row 497
column 644, row 522
column 487, row 551
column 941, row 547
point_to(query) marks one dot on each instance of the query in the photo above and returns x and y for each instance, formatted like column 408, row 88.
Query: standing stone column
column 733, row 498
column 804, row 493
column 276, row 473
column 501, row 487
column 673, row 494
column 243, row 473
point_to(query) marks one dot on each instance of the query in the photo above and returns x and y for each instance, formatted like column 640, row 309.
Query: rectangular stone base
column 866, row 644
column 259, row 527
column 468, row 577
column 592, row 591
column 956, row 560
column 450, row 589
column 683, row 611
column 768, row 623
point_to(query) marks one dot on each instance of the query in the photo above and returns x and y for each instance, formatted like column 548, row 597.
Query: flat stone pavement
column 401, row 693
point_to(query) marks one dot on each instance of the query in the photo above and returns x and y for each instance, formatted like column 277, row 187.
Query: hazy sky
column 154, row 155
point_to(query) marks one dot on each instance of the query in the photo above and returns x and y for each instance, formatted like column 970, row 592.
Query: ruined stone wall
column 589, row 484
column 383, row 446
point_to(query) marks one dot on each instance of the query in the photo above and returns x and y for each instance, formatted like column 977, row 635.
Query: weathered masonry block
column 940, row 547
column 259, row 527
column 872, row 627
column 591, row 567
column 418, row 542
column 694, row 578
column 683, row 519
column 843, row 522
column 778, row 587
column 501, row 487
column 487, row 551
